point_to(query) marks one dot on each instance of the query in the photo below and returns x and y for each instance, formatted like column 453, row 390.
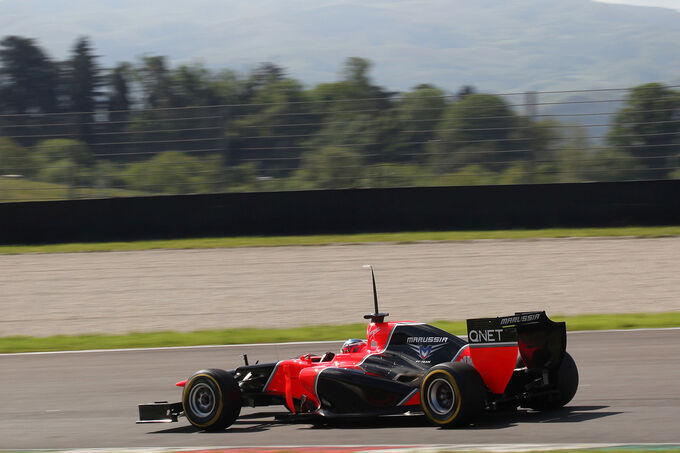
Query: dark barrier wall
column 344, row 211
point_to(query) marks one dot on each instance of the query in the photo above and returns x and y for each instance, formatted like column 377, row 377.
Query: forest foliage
column 148, row 127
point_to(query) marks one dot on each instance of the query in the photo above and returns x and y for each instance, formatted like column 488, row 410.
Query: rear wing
column 541, row 341
column 496, row 342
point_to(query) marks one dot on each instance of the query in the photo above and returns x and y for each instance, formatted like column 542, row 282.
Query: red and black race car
column 404, row 366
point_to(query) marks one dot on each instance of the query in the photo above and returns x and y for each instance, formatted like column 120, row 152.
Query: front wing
column 160, row 412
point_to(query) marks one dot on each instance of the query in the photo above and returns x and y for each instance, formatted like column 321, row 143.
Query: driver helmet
column 354, row 345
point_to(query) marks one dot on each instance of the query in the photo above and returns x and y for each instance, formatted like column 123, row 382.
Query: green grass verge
column 21, row 189
column 643, row 448
column 264, row 241
column 306, row 333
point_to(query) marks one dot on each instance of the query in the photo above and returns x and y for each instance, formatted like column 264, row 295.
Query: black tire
column 452, row 394
column 211, row 400
column 566, row 382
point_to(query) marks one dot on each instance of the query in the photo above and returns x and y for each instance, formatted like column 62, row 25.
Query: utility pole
column 224, row 131
column 530, row 105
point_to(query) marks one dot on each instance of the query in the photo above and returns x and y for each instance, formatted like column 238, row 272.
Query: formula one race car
column 401, row 367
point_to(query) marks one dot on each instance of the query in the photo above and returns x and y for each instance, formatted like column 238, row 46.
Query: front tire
column 211, row 400
column 452, row 394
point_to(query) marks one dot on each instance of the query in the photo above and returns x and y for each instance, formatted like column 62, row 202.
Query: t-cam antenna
column 375, row 316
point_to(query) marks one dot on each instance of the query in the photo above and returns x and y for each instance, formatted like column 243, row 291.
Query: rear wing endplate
column 541, row 341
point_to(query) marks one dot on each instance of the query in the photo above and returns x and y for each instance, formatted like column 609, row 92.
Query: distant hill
column 495, row 45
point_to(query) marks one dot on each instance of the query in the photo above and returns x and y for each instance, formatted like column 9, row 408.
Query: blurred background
column 440, row 93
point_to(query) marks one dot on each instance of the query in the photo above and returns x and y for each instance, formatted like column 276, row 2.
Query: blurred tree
column 574, row 156
column 62, row 171
column 356, row 70
column 351, row 112
column 229, row 87
column 608, row 164
column 465, row 90
column 153, row 76
column 193, row 85
column 28, row 78
column 107, row 175
column 476, row 129
column 542, row 138
column 329, row 168
column 84, row 79
column 350, row 130
column 536, row 151
column 267, row 73
column 468, row 175
column 264, row 74
column 63, row 161
column 517, row 173
column 118, row 102
column 84, row 82
column 175, row 172
column 243, row 177
column 61, row 148
column 273, row 128
column 356, row 86
column 167, row 122
column 15, row 159
column 398, row 175
column 405, row 130
column 118, row 82
column 647, row 127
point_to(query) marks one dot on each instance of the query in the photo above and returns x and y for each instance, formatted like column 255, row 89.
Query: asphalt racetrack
column 629, row 393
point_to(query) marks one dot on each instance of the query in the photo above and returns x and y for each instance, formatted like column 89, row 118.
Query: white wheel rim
column 441, row 397
column 202, row 399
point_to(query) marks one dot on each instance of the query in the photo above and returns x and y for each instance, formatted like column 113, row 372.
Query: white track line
column 292, row 343
column 502, row 448
column 647, row 329
column 172, row 348
column 523, row 447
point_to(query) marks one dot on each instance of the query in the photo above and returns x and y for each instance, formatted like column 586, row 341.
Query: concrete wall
column 344, row 211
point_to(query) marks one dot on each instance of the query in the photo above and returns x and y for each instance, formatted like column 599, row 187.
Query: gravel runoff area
column 185, row 290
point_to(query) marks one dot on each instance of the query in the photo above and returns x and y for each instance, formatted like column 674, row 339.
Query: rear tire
column 566, row 382
column 452, row 394
column 211, row 400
